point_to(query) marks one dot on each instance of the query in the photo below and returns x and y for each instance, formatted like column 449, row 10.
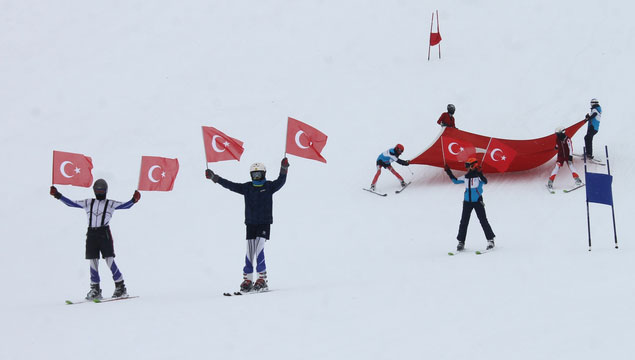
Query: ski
column 573, row 188
column 551, row 190
column 591, row 161
column 241, row 293
column 98, row 301
column 375, row 192
column 481, row 252
column 402, row 188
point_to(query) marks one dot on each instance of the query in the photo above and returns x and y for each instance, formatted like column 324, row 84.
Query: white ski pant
column 574, row 172
column 255, row 256
column 94, row 270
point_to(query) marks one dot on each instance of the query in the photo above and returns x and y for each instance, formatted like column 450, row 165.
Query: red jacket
column 565, row 149
column 446, row 120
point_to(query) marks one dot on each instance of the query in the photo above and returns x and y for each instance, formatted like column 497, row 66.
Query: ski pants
column 94, row 270
column 479, row 207
column 256, row 237
column 574, row 172
column 389, row 167
column 588, row 140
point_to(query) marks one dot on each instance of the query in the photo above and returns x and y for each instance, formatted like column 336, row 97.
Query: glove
column 570, row 157
column 587, row 116
column 210, row 175
column 284, row 166
column 407, row 162
column 136, row 196
column 56, row 194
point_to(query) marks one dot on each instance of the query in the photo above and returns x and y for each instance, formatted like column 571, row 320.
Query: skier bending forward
column 472, row 200
column 258, row 195
column 98, row 236
column 384, row 161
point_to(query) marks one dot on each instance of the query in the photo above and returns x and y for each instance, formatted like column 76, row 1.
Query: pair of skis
column 566, row 191
column 99, row 301
column 477, row 252
column 240, row 293
column 591, row 161
column 385, row 194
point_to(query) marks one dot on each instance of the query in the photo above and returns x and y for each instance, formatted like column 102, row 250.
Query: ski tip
column 478, row 252
column 96, row 301
column 451, row 253
column 68, row 302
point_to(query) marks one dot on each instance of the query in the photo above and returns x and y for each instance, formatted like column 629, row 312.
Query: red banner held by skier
column 72, row 169
column 304, row 140
column 529, row 154
column 157, row 173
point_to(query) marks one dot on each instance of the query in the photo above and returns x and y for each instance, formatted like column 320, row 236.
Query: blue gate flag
column 598, row 188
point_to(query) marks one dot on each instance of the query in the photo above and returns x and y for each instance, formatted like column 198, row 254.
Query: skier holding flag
column 472, row 200
column 258, row 195
column 98, row 237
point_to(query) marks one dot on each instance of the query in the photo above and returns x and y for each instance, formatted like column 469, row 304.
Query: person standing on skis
column 98, row 236
column 472, row 200
column 447, row 118
column 384, row 161
column 258, row 195
column 565, row 155
column 593, row 126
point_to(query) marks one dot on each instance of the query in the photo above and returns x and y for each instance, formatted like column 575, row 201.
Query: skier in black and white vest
column 258, row 195
column 98, row 237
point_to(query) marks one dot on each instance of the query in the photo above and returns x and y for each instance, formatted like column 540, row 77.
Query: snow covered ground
column 354, row 275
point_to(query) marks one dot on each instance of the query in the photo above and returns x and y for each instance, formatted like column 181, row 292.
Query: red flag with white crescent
column 72, row 169
column 157, row 173
column 220, row 147
column 305, row 141
column 499, row 155
column 456, row 150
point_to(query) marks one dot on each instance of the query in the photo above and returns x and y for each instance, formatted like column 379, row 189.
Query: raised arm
column 58, row 195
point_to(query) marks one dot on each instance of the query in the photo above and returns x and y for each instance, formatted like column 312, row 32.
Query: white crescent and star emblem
column 150, row 173
column 63, row 165
column 215, row 145
column 297, row 140
column 452, row 152
column 494, row 152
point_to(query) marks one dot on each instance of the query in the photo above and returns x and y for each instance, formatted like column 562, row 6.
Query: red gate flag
column 304, row 140
column 435, row 38
column 72, row 169
column 157, row 173
column 457, row 150
column 220, row 147
column 498, row 155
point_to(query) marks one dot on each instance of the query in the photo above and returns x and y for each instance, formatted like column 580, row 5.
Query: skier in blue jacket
column 258, row 195
column 472, row 200
column 593, row 126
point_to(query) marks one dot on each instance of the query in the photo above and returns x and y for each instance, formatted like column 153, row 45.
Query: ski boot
column 246, row 286
column 120, row 290
column 261, row 285
column 403, row 183
column 94, row 293
column 578, row 182
column 372, row 187
column 490, row 244
column 550, row 184
column 460, row 246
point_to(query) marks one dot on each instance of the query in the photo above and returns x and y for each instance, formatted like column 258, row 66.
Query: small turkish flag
column 499, row 155
column 72, row 169
column 304, row 140
column 457, row 150
column 157, row 173
column 220, row 147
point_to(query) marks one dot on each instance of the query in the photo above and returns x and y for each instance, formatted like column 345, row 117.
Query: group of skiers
column 258, row 197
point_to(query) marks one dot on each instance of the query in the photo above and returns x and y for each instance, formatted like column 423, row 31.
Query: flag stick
column 285, row 139
column 487, row 148
column 443, row 150
column 588, row 218
column 140, row 167
column 608, row 167
column 429, row 45
column 53, row 169
column 204, row 150
column 438, row 32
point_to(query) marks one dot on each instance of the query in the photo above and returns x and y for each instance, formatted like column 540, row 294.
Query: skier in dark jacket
column 565, row 156
column 472, row 200
column 258, row 195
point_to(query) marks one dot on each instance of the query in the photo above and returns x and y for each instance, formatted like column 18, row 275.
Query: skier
column 258, row 195
column 565, row 154
column 385, row 159
column 98, row 237
column 447, row 118
column 593, row 126
column 472, row 200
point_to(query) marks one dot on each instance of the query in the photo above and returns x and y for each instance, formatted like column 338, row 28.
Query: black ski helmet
column 451, row 109
column 100, row 187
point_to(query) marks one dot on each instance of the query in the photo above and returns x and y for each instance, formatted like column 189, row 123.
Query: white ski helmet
column 257, row 167
column 257, row 171
column 595, row 101
column 559, row 130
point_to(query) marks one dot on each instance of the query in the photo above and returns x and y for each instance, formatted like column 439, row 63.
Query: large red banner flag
column 304, row 140
column 456, row 150
column 157, row 173
column 72, row 169
column 498, row 155
column 220, row 147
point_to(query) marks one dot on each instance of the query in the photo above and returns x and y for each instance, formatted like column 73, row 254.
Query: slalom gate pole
column 429, row 46
column 588, row 218
column 438, row 32
column 608, row 167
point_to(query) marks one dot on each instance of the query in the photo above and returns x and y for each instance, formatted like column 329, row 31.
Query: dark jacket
column 258, row 199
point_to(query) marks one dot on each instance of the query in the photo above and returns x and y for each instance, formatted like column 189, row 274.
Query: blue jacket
column 595, row 116
column 474, row 182
column 258, row 198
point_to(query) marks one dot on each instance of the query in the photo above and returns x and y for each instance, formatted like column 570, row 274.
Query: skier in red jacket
column 565, row 151
column 447, row 118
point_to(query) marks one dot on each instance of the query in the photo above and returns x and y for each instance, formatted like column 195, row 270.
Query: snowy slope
column 354, row 275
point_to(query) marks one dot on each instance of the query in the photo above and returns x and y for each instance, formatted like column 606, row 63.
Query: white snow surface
column 354, row 276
